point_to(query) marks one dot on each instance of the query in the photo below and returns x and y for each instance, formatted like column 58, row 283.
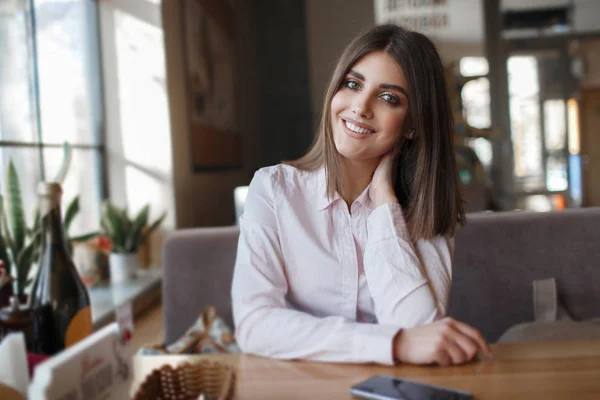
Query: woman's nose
column 361, row 107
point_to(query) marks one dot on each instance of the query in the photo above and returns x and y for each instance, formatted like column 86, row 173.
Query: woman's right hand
column 444, row 342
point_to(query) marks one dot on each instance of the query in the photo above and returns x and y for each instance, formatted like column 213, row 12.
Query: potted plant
column 19, row 244
column 127, row 235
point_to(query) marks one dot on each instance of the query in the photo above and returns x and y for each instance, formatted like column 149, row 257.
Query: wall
column 589, row 51
column 331, row 25
column 284, row 94
column 206, row 199
column 138, row 136
column 452, row 52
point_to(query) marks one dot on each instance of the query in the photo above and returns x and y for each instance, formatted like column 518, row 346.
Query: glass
column 475, row 97
column 141, row 73
column 555, row 137
column 556, row 173
column 67, row 92
column 555, row 124
column 573, row 124
column 483, row 149
column 26, row 161
column 525, row 122
column 473, row 66
column 538, row 202
column 64, row 59
column 17, row 108
column 82, row 179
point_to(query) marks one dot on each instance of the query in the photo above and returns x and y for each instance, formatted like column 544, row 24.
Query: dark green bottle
column 59, row 299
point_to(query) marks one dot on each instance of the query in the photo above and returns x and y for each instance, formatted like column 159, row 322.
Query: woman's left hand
column 382, row 186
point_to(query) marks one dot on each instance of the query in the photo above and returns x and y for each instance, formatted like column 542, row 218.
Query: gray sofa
column 497, row 257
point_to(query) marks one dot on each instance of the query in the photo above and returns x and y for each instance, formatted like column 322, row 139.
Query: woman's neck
column 356, row 176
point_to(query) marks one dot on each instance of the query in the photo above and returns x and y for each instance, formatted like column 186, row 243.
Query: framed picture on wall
column 208, row 33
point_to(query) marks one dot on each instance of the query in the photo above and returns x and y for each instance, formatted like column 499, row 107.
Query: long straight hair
column 427, row 184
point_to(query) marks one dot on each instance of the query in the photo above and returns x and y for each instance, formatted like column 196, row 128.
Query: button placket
column 342, row 216
column 353, row 266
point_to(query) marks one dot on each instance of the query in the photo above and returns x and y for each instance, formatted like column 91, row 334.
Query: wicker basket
column 188, row 381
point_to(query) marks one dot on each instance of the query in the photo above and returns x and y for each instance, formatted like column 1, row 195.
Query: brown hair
column 427, row 184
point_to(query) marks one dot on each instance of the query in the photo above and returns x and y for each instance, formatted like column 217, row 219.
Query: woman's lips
column 358, row 124
column 352, row 134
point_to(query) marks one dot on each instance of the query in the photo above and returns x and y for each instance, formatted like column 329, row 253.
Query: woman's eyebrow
column 360, row 76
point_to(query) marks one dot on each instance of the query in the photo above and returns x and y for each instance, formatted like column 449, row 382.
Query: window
column 475, row 104
column 475, row 96
column 473, row 66
column 49, row 94
column 526, row 130
column 555, row 127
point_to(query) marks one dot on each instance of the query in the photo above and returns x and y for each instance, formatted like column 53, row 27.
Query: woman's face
column 369, row 109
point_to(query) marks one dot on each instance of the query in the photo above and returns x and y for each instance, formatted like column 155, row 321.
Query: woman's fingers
column 475, row 335
column 468, row 346
column 443, row 358
column 457, row 354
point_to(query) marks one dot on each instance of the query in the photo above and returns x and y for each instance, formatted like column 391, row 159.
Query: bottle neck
column 51, row 222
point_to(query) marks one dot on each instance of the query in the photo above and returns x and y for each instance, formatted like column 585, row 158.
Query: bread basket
column 188, row 381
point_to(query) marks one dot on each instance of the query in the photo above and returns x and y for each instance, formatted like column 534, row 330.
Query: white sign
column 124, row 317
column 452, row 20
column 98, row 367
column 462, row 20
column 13, row 369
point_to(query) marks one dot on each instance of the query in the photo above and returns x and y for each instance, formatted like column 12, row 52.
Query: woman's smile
column 356, row 129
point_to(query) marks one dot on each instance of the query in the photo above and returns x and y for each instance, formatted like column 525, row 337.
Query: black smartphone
column 382, row 387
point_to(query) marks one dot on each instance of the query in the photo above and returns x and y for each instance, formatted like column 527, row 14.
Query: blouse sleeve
column 409, row 282
column 264, row 325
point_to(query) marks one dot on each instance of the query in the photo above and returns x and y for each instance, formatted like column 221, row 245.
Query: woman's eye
column 350, row 84
column 390, row 98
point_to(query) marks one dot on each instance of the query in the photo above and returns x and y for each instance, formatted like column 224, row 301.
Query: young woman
column 345, row 255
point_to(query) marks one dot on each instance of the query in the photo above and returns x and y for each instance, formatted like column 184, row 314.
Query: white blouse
column 315, row 281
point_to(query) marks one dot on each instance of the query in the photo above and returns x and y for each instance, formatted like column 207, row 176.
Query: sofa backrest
column 497, row 257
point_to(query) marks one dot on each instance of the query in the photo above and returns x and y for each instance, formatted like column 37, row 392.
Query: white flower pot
column 123, row 266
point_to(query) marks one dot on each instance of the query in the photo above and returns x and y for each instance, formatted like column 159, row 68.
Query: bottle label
column 80, row 326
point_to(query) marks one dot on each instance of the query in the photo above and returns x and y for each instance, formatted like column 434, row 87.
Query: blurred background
column 178, row 102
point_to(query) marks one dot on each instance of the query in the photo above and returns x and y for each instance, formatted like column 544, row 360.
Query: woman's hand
column 382, row 190
column 444, row 342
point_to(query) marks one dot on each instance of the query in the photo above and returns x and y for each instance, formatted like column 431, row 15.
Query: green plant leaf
column 24, row 264
column 84, row 237
column 64, row 168
column 3, row 253
column 139, row 222
column 10, row 246
column 36, row 237
column 36, row 253
column 127, row 224
column 106, row 228
column 113, row 220
column 15, row 207
column 71, row 212
column 153, row 227
column 37, row 221
column 157, row 222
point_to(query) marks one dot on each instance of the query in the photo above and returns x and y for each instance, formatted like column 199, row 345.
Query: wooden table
column 557, row 370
